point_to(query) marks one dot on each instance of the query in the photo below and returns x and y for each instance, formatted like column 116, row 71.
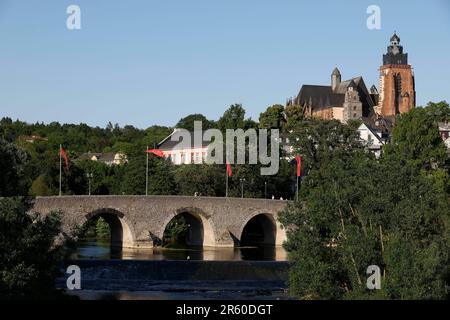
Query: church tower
column 335, row 79
column 397, row 87
column 352, row 103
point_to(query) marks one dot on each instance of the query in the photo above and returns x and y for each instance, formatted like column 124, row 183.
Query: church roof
column 319, row 96
column 336, row 72
column 395, row 37
column 325, row 97
column 343, row 86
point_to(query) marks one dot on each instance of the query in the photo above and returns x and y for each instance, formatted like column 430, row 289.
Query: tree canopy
column 356, row 211
column 188, row 122
column 28, row 257
column 272, row 118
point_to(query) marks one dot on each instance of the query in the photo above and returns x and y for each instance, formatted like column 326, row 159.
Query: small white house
column 108, row 158
column 371, row 139
column 444, row 131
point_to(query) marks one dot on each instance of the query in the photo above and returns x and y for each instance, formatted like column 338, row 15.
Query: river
column 99, row 249
column 179, row 274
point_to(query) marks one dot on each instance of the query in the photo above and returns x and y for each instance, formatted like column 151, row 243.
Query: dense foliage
column 40, row 143
column 28, row 255
column 356, row 211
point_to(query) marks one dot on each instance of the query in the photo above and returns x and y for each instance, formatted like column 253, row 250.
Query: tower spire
column 335, row 78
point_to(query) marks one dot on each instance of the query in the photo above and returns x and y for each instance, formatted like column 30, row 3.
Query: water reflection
column 182, row 295
column 98, row 249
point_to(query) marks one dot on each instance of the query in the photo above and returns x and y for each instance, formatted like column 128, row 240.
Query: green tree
column 40, row 187
column 439, row 111
column 207, row 180
column 234, row 118
column 101, row 180
column 155, row 135
column 14, row 177
column 28, row 255
column 102, row 230
column 319, row 141
column 28, row 258
column 188, row 122
column 176, row 231
column 294, row 116
column 353, row 214
column 356, row 211
column 161, row 179
column 272, row 118
column 416, row 137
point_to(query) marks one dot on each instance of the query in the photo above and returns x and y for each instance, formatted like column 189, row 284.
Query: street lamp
column 89, row 176
column 242, row 187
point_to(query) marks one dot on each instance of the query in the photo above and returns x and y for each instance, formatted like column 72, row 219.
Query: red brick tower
column 397, row 88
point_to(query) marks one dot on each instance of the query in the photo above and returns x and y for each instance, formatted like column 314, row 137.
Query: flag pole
column 60, row 170
column 226, row 190
column 299, row 173
column 146, row 174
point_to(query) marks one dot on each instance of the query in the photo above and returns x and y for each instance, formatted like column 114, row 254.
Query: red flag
column 64, row 155
column 299, row 165
column 156, row 152
column 229, row 170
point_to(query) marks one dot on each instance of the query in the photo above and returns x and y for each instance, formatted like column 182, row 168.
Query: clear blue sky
column 153, row 62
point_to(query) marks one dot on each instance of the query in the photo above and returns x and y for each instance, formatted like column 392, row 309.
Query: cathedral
column 351, row 100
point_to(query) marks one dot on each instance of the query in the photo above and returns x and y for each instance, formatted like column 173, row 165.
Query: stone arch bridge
column 140, row 221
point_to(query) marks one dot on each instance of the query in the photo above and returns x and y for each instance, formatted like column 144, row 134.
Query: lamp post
column 89, row 176
column 242, row 180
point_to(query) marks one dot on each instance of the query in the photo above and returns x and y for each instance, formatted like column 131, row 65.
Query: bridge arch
column 202, row 230
column 262, row 229
column 121, row 233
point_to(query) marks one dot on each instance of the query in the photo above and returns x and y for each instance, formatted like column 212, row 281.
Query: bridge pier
column 139, row 245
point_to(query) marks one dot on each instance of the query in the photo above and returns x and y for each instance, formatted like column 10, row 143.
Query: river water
column 98, row 249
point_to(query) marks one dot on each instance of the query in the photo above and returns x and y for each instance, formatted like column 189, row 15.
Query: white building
column 371, row 139
column 444, row 131
column 109, row 158
column 184, row 152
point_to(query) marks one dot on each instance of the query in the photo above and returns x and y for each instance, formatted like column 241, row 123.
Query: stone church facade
column 351, row 100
